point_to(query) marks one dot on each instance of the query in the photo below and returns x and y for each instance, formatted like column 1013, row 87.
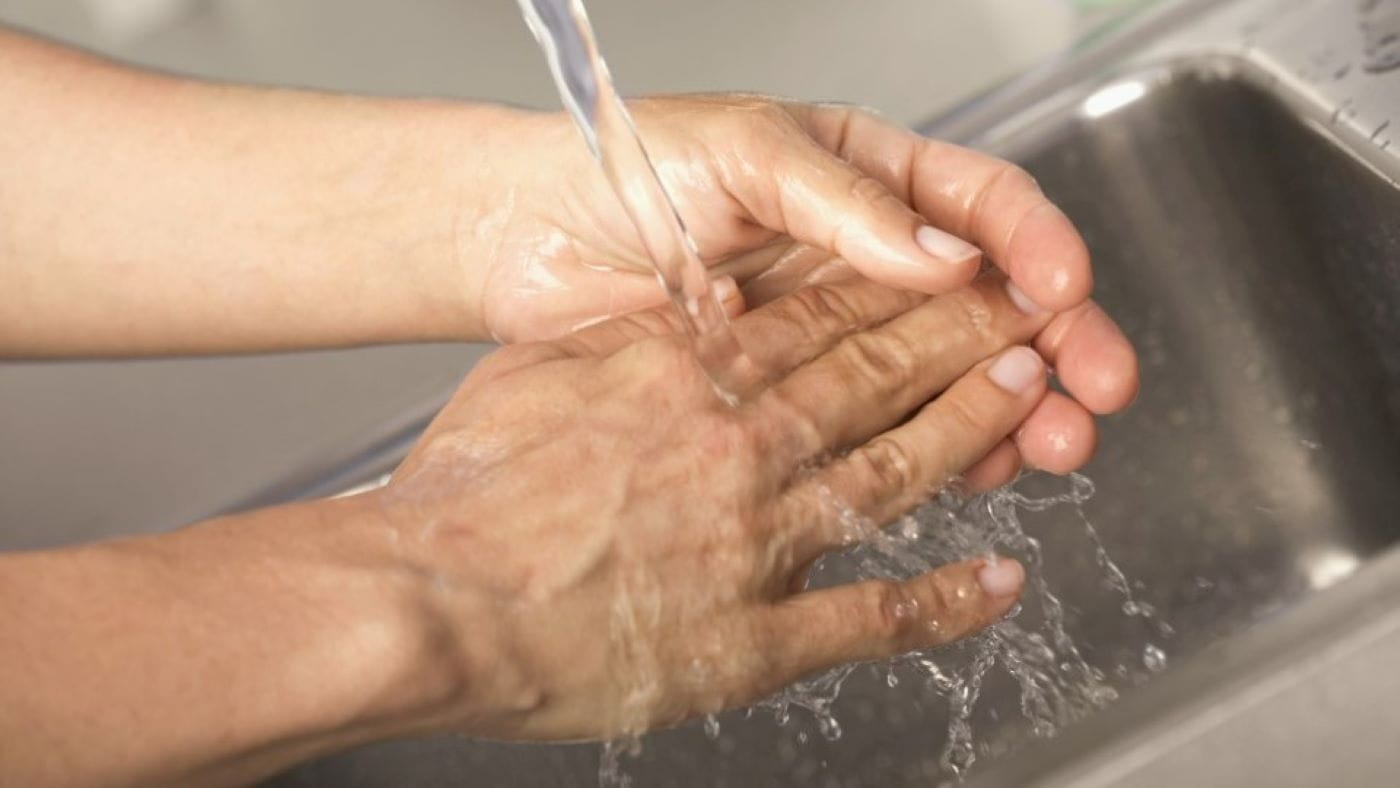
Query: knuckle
column 866, row 189
column 962, row 418
column 948, row 608
column 1018, row 178
column 1013, row 178
column 890, row 467
column 893, row 611
column 884, row 358
column 824, row 305
column 938, row 599
column 976, row 318
column 1006, row 178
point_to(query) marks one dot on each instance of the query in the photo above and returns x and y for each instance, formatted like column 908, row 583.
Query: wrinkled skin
column 780, row 194
column 661, row 578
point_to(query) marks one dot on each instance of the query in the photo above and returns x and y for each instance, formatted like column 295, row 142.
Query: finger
column 798, row 327
column 998, row 468
column 1092, row 357
column 884, row 478
column 610, row 336
column 878, row 619
column 1059, row 436
column 797, row 267
column 873, row 379
column 990, row 202
column 817, row 198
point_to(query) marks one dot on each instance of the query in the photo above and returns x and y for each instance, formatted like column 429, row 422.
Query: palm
column 581, row 261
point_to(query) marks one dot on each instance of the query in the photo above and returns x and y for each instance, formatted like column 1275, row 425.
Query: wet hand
column 780, row 194
column 609, row 548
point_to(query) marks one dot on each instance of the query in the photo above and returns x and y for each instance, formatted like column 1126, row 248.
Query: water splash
column 711, row 727
column 611, row 771
column 1058, row 685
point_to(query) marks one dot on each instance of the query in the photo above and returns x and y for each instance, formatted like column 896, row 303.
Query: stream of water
column 564, row 33
column 1057, row 684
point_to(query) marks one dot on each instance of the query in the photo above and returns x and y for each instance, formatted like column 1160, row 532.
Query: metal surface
column 1231, row 167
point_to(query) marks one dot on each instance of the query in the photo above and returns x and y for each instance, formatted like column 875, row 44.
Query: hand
column 780, row 194
column 613, row 549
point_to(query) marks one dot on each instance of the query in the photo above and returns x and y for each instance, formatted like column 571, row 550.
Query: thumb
column 821, row 200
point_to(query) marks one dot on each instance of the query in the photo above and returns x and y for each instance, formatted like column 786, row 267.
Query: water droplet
column 711, row 727
column 909, row 528
column 830, row 728
column 1154, row 658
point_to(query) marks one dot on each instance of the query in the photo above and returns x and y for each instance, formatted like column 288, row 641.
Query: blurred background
column 98, row 449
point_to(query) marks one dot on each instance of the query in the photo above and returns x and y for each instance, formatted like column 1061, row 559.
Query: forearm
column 215, row 655
column 147, row 214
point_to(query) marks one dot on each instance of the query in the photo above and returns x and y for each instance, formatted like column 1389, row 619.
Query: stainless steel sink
column 1246, row 227
column 1254, row 263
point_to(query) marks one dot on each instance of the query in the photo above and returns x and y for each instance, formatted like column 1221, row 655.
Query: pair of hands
column 778, row 195
column 585, row 543
column 615, row 549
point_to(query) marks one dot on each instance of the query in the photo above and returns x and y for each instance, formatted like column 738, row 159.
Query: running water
column 562, row 29
column 1058, row 685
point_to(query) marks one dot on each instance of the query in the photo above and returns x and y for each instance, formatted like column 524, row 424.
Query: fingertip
column 1119, row 380
column 726, row 291
column 1097, row 363
column 1001, row 578
column 1059, row 436
column 1049, row 260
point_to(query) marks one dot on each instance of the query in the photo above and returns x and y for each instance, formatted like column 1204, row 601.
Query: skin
column 675, row 532
column 654, row 583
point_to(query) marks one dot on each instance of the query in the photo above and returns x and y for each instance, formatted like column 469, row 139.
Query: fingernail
column 1001, row 576
column 1022, row 301
column 945, row 246
column 1017, row 369
column 725, row 289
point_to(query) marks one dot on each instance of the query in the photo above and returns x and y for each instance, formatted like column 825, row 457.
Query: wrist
column 412, row 677
column 477, row 159
column 473, row 678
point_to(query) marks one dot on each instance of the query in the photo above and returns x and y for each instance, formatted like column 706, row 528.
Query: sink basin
column 1252, row 259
